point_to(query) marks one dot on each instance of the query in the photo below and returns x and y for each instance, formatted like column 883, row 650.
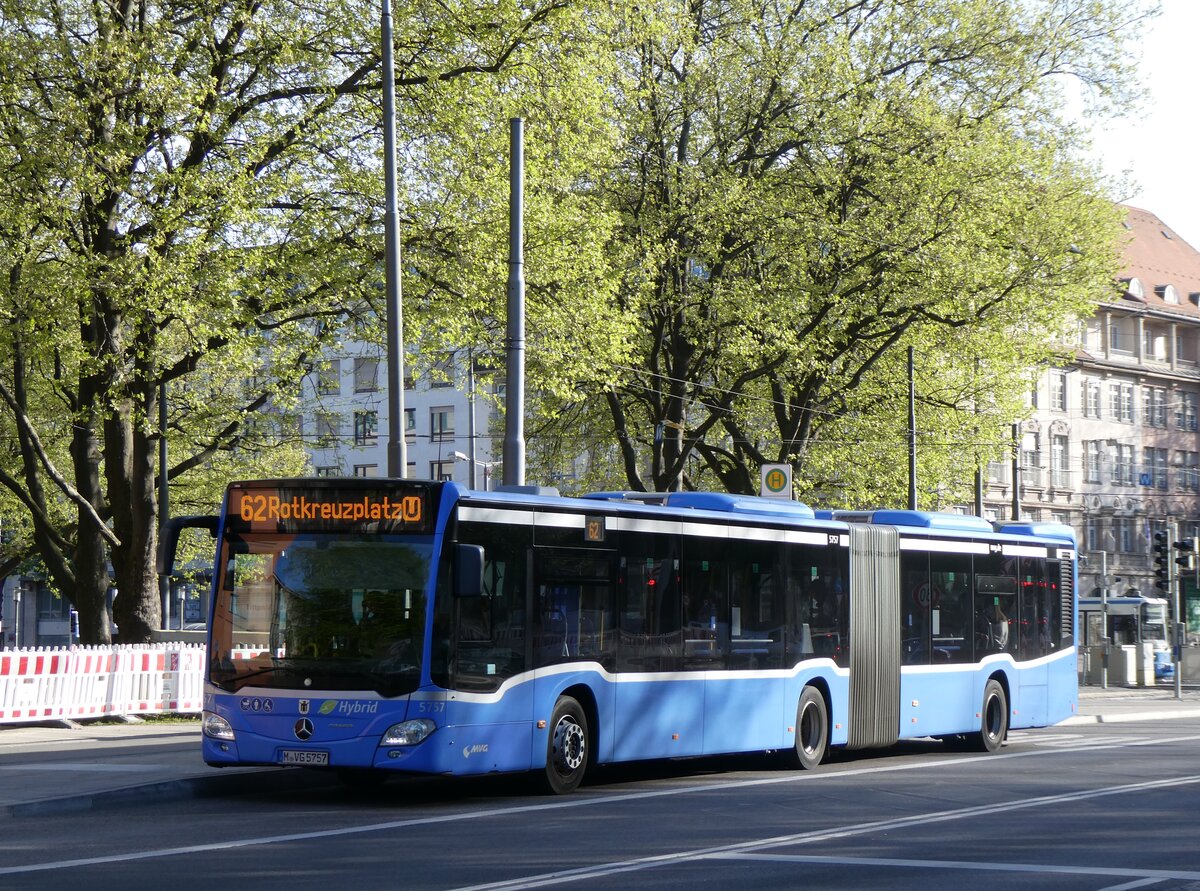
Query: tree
column 191, row 200
column 810, row 189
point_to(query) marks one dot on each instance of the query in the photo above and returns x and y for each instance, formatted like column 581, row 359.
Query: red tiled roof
column 1157, row 256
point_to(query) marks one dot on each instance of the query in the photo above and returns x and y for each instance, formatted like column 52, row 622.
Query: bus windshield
column 321, row 612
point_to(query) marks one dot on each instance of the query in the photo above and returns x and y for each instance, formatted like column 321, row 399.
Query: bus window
column 488, row 632
column 915, row 598
column 950, row 607
column 1040, row 619
column 705, row 604
column 573, row 619
column 995, row 605
column 651, row 634
column 757, row 619
column 819, row 606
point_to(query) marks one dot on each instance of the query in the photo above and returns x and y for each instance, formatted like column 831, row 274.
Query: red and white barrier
column 94, row 682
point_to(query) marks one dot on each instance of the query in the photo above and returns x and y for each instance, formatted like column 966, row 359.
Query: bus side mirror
column 468, row 570
column 168, row 541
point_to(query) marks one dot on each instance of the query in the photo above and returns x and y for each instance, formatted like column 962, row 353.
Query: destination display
column 393, row 507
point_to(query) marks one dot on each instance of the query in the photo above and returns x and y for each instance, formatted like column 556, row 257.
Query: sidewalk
column 1125, row 704
column 48, row 768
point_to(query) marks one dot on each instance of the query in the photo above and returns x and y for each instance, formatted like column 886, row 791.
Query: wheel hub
column 569, row 746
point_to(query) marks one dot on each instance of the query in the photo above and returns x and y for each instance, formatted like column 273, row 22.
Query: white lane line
column 1129, row 886
column 1143, row 876
column 727, row 851
column 575, row 802
column 82, row 767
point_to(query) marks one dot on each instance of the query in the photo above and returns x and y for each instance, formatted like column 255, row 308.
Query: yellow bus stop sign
column 776, row 481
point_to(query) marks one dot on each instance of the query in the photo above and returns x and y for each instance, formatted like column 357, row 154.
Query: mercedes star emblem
column 303, row 729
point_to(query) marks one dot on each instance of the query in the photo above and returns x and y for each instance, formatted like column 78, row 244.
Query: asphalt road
column 1079, row 807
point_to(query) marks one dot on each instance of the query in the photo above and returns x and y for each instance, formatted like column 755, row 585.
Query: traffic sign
column 776, row 481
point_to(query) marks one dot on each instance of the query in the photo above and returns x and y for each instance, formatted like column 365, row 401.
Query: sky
column 1157, row 147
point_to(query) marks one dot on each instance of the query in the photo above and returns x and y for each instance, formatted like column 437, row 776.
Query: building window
column 1154, row 406
column 51, row 605
column 1060, row 467
column 1058, row 391
column 441, row 470
column 1122, row 466
column 1091, row 399
column 366, row 427
column 441, row 424
column 1185, row 412
column 1093, row 536
column 366, row 470
column 366, row 375
column 1155, row 468
column 327, row 470
column 1121, row 402
column 329, row 429
column 329, row 378
column 1124, row 534
column 442, row 374
column 1092, row 456
column 1186, row 467
column 410, row 425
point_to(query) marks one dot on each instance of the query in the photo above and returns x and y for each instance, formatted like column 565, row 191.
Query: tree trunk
column 90, row 593
column 129, row 464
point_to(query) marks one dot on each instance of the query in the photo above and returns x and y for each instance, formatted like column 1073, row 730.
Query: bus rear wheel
column 993, row 719
column 812, row 730
column 567, row 751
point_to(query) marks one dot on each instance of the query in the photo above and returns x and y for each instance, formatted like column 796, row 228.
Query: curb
column 1131, row 717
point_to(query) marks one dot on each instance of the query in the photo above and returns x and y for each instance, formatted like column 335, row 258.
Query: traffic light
column 1162, row 571
column 1187, row 554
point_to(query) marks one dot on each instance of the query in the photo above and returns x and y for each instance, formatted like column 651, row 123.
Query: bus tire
column 993, row 719
column 812, row 730
column 567, row 750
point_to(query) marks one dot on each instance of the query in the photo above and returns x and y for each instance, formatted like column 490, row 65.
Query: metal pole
column 471, row 417
column 164, row 507
column 978, row 461
column 1178, row 586
column 514, row 407
column 397, row 459
column 1104, row 619
column 912, row 433
column 1016, row 471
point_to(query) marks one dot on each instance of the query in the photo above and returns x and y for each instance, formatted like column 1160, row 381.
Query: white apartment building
column 448, row 423
column 1112, row 448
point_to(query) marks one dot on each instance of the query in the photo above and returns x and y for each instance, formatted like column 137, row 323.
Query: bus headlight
column 408, row 733
column 216, row 727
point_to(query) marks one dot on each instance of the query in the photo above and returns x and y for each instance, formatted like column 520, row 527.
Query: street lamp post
column 475, row 462
column 397, row 460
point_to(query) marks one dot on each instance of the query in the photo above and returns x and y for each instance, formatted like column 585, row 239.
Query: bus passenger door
column 574, row 623
column 1034, row 631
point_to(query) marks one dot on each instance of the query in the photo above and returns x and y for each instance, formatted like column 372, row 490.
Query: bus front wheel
column 812, row 730
column 567, row 750
column 993, row 719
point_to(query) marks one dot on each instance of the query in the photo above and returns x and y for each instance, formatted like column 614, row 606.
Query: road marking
column 1143, row 876
column 591, row 801
column 83, row 767
column 739, row 850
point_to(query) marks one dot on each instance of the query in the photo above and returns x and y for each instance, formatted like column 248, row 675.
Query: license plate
column 307, row 758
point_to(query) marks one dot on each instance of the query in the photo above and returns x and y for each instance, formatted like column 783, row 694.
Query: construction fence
column 68, row 683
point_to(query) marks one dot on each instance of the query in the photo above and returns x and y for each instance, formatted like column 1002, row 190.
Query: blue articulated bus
column 420, row 627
